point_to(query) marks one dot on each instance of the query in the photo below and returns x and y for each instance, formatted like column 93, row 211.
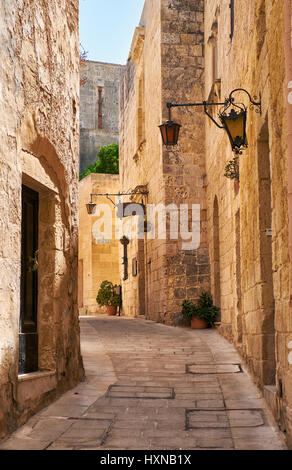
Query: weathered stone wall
column 39, row 130
column 184, row 171
column 98, row 247
column 253, row 268
column 167, row 62
column 140, row 155
column 106, row 77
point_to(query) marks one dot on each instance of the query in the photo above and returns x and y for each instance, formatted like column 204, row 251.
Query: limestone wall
column 166, row 65
column 190, row 51
column 39, row 129
column 100, row 81
column 140, row 153
column 184, row 171
column 98, row 247
column 254, row 267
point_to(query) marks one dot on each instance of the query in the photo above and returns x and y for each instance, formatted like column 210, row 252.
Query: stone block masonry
column 98, row 255
column 39, row 135
column 167, row 55
column 248, row 249
column 99, row 108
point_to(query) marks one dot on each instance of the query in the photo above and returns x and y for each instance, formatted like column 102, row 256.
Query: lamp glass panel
column 236, row 129
column 170, row 132
column 163, row 133
column 90, row 208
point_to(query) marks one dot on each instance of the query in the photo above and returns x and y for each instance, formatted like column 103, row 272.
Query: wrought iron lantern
column 233, row 118
column 234, row 122
column 170, row 132
column 90, row 207
column 170, row 129
column 120, row 206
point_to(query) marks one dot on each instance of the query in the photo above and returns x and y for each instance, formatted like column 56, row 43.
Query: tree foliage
column 106, row 294
column 108, row 162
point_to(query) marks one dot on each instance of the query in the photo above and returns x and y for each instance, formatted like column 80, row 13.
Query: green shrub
column 107, row 163
column 106, row 295
column 203, row 309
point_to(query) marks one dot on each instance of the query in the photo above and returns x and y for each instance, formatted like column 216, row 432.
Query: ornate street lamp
column 120, row 207
column 169, row 130
column 90, row 207
column 234, row 123
column 233, row 118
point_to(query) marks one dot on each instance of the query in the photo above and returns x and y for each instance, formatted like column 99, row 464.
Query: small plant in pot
column 107, row 296
column 203, row 314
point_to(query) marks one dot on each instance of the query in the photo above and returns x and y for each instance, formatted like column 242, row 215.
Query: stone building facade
column 166, row 52
column 39, row 135
column 98, row 254
column 99, row 108
column 187, row 51
column 249, row 227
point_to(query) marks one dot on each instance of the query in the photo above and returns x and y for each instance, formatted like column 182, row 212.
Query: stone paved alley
column 151, row 386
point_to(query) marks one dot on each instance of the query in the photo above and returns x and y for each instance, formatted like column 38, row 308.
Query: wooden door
column 28, row 336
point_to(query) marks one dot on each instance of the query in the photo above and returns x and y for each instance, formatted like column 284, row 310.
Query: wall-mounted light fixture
column 120, row 206
column 233, row 117
column 90, row 206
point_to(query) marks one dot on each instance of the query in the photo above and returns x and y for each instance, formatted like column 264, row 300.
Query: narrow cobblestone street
column 151, row 386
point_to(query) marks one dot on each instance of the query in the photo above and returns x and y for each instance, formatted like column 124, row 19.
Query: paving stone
column 76, row 400
column 245, row 418
column 50, row 428
column 70, row 411
column 211, row 433
column 211, row 404
column 133, row 358
column 15, row 443
column 84, row 433
column 207, row 419
column 98, row 415
column 261, row 438
column 126, row 443
column 175, row 443
column 213, row 369
column 60, row 446
column 178, row 425
column 254, row 403
column 238, row 386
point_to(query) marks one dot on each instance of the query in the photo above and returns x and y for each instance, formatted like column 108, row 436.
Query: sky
column 106, row 28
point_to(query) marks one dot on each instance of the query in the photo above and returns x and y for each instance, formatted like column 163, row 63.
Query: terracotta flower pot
column 111, row 309
column 198, row 324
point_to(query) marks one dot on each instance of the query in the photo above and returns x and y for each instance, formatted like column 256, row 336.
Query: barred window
column 99, row 107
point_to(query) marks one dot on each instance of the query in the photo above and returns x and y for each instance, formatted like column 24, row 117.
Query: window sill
column 36, row 375
column 33, row 385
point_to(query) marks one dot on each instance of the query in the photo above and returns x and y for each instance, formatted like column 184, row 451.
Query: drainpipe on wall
column 288, row 84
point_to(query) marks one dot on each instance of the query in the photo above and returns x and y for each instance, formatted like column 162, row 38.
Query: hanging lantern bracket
column 253, row 103
column 170, row 129
column 229, row 101
column 211, row 117
column 91, row 205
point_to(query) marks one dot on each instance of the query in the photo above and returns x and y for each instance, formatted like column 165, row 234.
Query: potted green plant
column 107, row 296
column 203, row 314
